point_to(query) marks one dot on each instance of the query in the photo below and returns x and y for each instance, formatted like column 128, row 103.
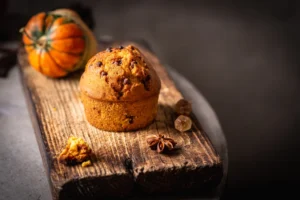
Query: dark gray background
column 241, row 56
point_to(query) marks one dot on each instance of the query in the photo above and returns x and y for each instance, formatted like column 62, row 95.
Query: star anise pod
column 160, row 143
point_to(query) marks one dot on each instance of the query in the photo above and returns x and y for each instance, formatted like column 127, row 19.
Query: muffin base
column 120, row 116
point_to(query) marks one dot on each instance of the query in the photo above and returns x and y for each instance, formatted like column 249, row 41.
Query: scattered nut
column 183, row 107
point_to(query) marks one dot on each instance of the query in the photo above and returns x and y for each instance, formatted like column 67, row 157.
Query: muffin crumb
column 76, row 151
column 86, row 163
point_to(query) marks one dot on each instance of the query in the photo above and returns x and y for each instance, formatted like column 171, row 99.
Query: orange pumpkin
column 58, row 42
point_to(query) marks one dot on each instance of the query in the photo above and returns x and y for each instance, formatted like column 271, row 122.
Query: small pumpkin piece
column 76, row 151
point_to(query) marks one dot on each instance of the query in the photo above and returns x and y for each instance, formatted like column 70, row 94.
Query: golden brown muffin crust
column 119, row 74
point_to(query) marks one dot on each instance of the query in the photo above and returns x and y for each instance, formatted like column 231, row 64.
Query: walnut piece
column 76, row 151
column 183, row 107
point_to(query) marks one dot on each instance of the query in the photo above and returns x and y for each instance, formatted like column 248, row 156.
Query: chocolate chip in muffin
column 118, row 62
column 109, row 49
column 120, row 94
column 133, row 63
column 103, row 73
column 146, row 82
column 145, row 64
column 98, row 63
column 148, row 77
column 132, row 48
column 130, row 119
column 126, row 81
column 121, row 47
column 118, row 89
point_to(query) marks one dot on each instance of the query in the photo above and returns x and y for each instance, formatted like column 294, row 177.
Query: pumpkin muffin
column 119, row 90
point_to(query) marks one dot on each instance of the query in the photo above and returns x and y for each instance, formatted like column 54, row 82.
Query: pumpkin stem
column 42, row 42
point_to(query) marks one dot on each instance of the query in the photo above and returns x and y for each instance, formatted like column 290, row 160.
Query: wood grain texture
column 123, row 163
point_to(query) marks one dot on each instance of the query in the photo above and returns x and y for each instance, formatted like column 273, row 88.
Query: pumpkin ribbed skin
column 58, row 42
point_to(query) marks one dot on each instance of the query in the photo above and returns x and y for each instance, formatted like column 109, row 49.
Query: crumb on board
column 86, row 163
column 76, row 151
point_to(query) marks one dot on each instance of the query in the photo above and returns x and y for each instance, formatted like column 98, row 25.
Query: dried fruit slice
column 183, row 123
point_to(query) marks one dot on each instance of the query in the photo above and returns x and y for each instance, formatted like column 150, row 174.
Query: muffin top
column 119, row 74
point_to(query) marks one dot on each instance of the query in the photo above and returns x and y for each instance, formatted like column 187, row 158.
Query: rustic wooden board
column 124, row 165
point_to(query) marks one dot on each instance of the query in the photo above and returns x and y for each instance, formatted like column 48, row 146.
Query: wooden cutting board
column 124, row 165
